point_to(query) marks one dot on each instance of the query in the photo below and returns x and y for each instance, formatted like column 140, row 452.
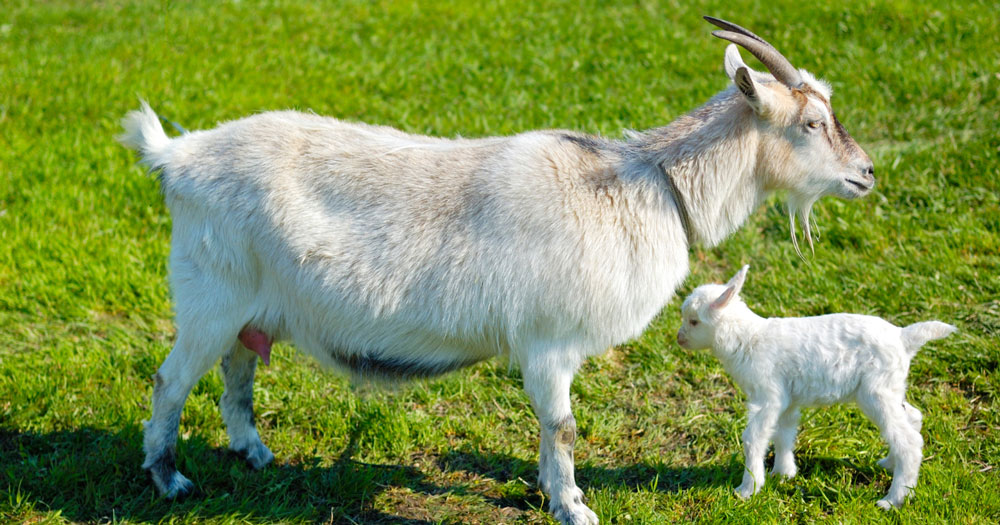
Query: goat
column 390, row 255
column 783, row 364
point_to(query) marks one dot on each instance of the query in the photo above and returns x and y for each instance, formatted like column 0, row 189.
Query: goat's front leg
column 547, row 377
column 761, row 423
column 236, row 406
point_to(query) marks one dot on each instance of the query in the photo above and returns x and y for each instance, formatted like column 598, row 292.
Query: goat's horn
column 775, row 62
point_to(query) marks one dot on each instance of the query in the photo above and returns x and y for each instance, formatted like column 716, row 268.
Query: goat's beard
column 801, row 206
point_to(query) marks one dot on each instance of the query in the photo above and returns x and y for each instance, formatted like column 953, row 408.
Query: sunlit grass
column 85, row 309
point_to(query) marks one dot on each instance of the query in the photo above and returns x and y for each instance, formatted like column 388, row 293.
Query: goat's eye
column 694, row 322
column 814, row 124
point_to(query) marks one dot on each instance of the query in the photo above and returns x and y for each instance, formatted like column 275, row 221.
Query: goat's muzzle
column 864, row 181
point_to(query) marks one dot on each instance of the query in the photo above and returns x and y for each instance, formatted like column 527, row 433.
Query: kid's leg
column 761, row 424
column 784, row 443
column 905, row 445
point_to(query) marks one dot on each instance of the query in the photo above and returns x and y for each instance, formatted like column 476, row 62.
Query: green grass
column 85, row 309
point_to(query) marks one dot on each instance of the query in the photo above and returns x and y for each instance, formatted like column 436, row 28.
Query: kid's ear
column 733, row 288
column 739, row 278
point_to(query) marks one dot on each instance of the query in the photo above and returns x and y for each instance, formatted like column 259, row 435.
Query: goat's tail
column 144, row 133
column 918, row 334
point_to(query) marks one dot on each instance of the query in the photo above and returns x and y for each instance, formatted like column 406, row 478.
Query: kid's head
column 705, row 308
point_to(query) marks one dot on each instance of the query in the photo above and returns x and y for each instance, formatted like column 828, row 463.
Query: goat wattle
column 258, row 342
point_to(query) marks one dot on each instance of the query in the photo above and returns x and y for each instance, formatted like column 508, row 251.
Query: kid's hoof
column 888, row 503
column 784, row 472
column 745, row 491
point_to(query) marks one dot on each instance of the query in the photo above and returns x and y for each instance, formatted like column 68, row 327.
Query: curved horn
column 775, row 62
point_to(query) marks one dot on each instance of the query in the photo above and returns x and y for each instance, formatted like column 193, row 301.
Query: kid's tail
column 918, row 334
column 143, row 133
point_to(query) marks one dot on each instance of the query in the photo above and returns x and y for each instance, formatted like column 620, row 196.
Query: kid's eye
column 694, row 322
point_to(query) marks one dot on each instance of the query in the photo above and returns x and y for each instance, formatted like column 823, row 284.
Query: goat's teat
column 258, row 342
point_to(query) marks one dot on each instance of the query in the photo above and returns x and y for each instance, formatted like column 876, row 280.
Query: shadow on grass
column 93, row 474
column 661, row 478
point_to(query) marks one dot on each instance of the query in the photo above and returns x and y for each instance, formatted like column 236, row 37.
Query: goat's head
column 804, row 148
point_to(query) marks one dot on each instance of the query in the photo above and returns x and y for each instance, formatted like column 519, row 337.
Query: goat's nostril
column 870, row 171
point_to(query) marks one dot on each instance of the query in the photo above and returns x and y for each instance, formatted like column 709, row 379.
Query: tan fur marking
column 839, row 139
column 801, row 99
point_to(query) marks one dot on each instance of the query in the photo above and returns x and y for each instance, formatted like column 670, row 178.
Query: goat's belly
column 378, row 365
column 390, row 359
column 831, row 395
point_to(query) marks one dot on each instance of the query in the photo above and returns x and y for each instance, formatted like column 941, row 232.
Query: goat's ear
column 739, row 278
column 744, row 81
column 761, row 97
column 723, row 299
column 733, row 288
column 733, row 61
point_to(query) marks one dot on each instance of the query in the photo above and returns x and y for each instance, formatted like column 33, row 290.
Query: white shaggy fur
column 391, row 255
column 783, row 364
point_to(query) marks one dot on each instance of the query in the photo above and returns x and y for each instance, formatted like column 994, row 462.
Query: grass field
column 85, row 309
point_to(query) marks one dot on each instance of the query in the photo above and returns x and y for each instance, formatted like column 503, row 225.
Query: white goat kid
column 394, row 256
column 783, row 364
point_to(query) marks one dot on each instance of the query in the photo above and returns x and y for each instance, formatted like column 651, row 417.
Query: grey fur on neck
column 682, row 209
column 708, row 157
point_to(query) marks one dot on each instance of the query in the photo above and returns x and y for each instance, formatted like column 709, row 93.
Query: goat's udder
column 258, row 342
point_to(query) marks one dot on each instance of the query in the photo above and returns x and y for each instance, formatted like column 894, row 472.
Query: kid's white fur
column 782, row 364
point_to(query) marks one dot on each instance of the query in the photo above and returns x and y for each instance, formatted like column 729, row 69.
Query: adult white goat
column 393, row 256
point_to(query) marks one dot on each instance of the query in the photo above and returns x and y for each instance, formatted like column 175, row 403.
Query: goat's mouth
column 860, row 187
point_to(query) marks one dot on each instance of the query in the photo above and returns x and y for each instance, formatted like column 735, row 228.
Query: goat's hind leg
column 236, row 405
column 916, row 421
column 193, row 354
column 905, row 445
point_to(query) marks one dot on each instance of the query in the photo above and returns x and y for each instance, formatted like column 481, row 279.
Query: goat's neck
column 711, row 155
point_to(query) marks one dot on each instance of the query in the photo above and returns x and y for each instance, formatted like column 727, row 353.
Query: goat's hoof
column 888, row 503
column 884, row 504
column 784, row 472
column 176, row 488
column 575, row 515
column 257, row 455
column 746, row 490
column 570, row 510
